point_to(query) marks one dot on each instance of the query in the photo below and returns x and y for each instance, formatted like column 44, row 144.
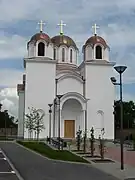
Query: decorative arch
column 98, row 52
column 71, row 76
column 41, row 49
column 76, row 96
column 101, row 113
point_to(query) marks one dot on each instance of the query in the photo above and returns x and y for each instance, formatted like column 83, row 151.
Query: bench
column 56, row 143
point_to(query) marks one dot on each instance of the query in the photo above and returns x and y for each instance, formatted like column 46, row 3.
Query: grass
column 45, row 150
column 4, row 138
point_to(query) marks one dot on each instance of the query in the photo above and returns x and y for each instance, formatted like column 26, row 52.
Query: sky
column 19, row 21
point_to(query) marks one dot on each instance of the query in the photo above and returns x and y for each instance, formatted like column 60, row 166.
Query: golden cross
column 41, row 23
column 61, row 27
column 95, row 27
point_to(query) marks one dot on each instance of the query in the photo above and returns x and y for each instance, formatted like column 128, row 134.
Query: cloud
column 115, row 18
column 9, row 100
column 10, row 77
column 8, row 92
column 12, row 46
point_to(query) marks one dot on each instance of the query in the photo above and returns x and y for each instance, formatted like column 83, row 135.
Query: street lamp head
column 50, row 105
column 120, row 69
column 59, row 96
column 113, row 79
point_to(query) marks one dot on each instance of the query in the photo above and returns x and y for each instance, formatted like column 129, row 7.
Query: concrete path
column 113, row 152
column 7, row 171
column 32, row 166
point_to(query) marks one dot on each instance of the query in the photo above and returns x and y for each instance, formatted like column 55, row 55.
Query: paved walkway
column 32, row 166
column 113, row 152
column 6, row 170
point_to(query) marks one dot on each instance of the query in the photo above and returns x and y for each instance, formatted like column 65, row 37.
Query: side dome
column 63, row 40
column 40, row 36
column 96, row 40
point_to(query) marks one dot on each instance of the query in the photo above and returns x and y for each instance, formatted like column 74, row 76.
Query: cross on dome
column 61, row 27
column 41, row 23
column 95, row 27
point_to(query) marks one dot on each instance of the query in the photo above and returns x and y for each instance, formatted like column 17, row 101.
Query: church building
column 80, row 96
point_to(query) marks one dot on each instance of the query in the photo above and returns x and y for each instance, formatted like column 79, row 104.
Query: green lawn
column 52, row 154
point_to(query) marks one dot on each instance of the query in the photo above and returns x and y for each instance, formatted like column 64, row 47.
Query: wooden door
column 69, row 128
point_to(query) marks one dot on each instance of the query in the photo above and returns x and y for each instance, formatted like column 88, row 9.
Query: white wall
column 21, row 107
column 100, row 91
column 40, row 87
column 69, row 84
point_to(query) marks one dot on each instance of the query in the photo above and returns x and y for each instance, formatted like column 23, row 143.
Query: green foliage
column 45, row 150
column 6, row 120
column 34, row 121
column 128, row 114
column 79, row 138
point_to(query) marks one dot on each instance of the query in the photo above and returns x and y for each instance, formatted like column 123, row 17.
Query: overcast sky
column 19, row 21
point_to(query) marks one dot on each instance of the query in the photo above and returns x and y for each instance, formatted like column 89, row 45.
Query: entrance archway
column 71, row 118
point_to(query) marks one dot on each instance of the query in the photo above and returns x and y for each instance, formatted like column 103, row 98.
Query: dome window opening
column 63, row 54
column 54, row 54
column 41, row 49
column 98, row 52
column 71, row 55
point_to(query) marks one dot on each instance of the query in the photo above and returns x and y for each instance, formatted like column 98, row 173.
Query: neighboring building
column 51, row 69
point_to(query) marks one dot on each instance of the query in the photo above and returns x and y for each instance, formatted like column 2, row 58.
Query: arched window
column 71, row 55
column 54, row 54
column 98, row 52
column 41, row 49
column 63, row 54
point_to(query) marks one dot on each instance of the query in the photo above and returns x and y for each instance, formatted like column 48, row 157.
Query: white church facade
column 86, row 92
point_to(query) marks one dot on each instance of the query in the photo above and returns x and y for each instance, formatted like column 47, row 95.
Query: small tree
column 92, row 140
column 79, row 138
column 29, row 121
column 34, row 121
column 39, row 125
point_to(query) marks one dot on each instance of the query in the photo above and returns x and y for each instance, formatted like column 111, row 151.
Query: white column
column 21, row 111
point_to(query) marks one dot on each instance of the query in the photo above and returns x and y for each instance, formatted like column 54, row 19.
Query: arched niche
column 71, row 55
column 41, row 49
column 63, row 54
column 98, row 52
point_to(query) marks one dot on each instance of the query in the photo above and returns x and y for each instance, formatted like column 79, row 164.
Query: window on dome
column 54, row 54
column 63, row 54
column 71, row 55
column 98, row 52
column 41, row 49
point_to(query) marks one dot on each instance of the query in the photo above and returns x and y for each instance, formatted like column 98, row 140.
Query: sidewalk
column 113, row 153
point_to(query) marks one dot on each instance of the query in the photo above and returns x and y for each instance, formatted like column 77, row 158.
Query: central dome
column 63, row 40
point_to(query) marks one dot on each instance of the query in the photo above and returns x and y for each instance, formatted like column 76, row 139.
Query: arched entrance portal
column 71, row 118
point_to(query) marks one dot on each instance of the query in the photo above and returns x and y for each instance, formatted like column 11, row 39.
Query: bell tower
column 96, row 48
column 40, row 70
column 98, row 71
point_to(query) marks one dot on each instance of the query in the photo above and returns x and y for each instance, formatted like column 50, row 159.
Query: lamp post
column 120, row 70
column 85, row 132
column 59, row 97
column 50, row 123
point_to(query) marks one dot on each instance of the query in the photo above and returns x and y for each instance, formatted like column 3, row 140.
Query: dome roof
column 63, row 40
column 96, row 39
column 40, row 36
